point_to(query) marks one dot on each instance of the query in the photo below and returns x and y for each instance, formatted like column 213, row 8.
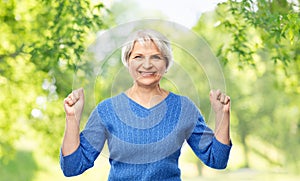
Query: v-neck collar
column 143, row 107
column 138, row 116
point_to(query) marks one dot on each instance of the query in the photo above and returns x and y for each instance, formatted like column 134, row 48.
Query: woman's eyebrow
column 157, row 55
column 137, row 53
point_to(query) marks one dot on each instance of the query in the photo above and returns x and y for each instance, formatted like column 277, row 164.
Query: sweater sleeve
column 92, row 139
column 204, row 144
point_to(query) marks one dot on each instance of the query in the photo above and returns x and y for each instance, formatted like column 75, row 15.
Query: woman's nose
column 147, row 63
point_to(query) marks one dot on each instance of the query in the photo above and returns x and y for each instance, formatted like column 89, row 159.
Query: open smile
column 147, row 74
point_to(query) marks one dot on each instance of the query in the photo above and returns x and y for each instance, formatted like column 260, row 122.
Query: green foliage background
column 259, row 44
column 43, row 47
column 42, row 44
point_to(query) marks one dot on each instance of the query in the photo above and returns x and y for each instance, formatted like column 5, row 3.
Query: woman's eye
column 156, row 57
column 137, row 58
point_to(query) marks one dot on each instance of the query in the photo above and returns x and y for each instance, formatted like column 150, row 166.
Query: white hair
column 146, row 35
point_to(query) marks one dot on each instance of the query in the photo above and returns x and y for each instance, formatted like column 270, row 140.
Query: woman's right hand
column 74, row 104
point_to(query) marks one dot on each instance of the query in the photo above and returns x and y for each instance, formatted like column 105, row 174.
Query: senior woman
column 144, row 126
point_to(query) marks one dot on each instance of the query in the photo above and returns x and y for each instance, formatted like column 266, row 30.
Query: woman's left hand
column 220, row 102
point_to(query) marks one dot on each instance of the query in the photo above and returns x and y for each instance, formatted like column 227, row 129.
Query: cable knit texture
column 144, row 143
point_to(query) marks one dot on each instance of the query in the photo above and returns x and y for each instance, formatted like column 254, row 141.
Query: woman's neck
column 147, row 96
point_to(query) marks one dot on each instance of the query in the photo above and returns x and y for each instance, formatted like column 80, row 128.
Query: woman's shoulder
column 185, row 99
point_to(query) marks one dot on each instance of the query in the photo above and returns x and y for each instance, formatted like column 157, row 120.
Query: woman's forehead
column 148, row 45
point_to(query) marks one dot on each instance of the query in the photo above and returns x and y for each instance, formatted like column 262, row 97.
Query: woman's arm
column 221, row 107
column 213, row 148
column 207, row 148
column 73, row 106
column 80, row 150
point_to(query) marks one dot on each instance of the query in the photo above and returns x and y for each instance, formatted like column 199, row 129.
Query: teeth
column 147, row 73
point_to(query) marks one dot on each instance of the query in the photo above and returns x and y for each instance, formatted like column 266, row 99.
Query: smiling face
column 146, row 64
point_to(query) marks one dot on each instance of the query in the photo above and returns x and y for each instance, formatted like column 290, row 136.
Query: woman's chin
column 146, row 82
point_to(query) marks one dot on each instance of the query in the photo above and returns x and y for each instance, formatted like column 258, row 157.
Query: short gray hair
column 144, row 35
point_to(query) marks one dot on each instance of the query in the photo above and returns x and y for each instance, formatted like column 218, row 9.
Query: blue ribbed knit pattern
column 145, row 144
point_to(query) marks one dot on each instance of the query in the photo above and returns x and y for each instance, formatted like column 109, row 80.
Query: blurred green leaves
column 42, row 44
column 259, row 42
column 276, row 22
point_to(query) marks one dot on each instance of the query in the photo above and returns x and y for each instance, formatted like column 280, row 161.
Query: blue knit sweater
column 144, row 144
